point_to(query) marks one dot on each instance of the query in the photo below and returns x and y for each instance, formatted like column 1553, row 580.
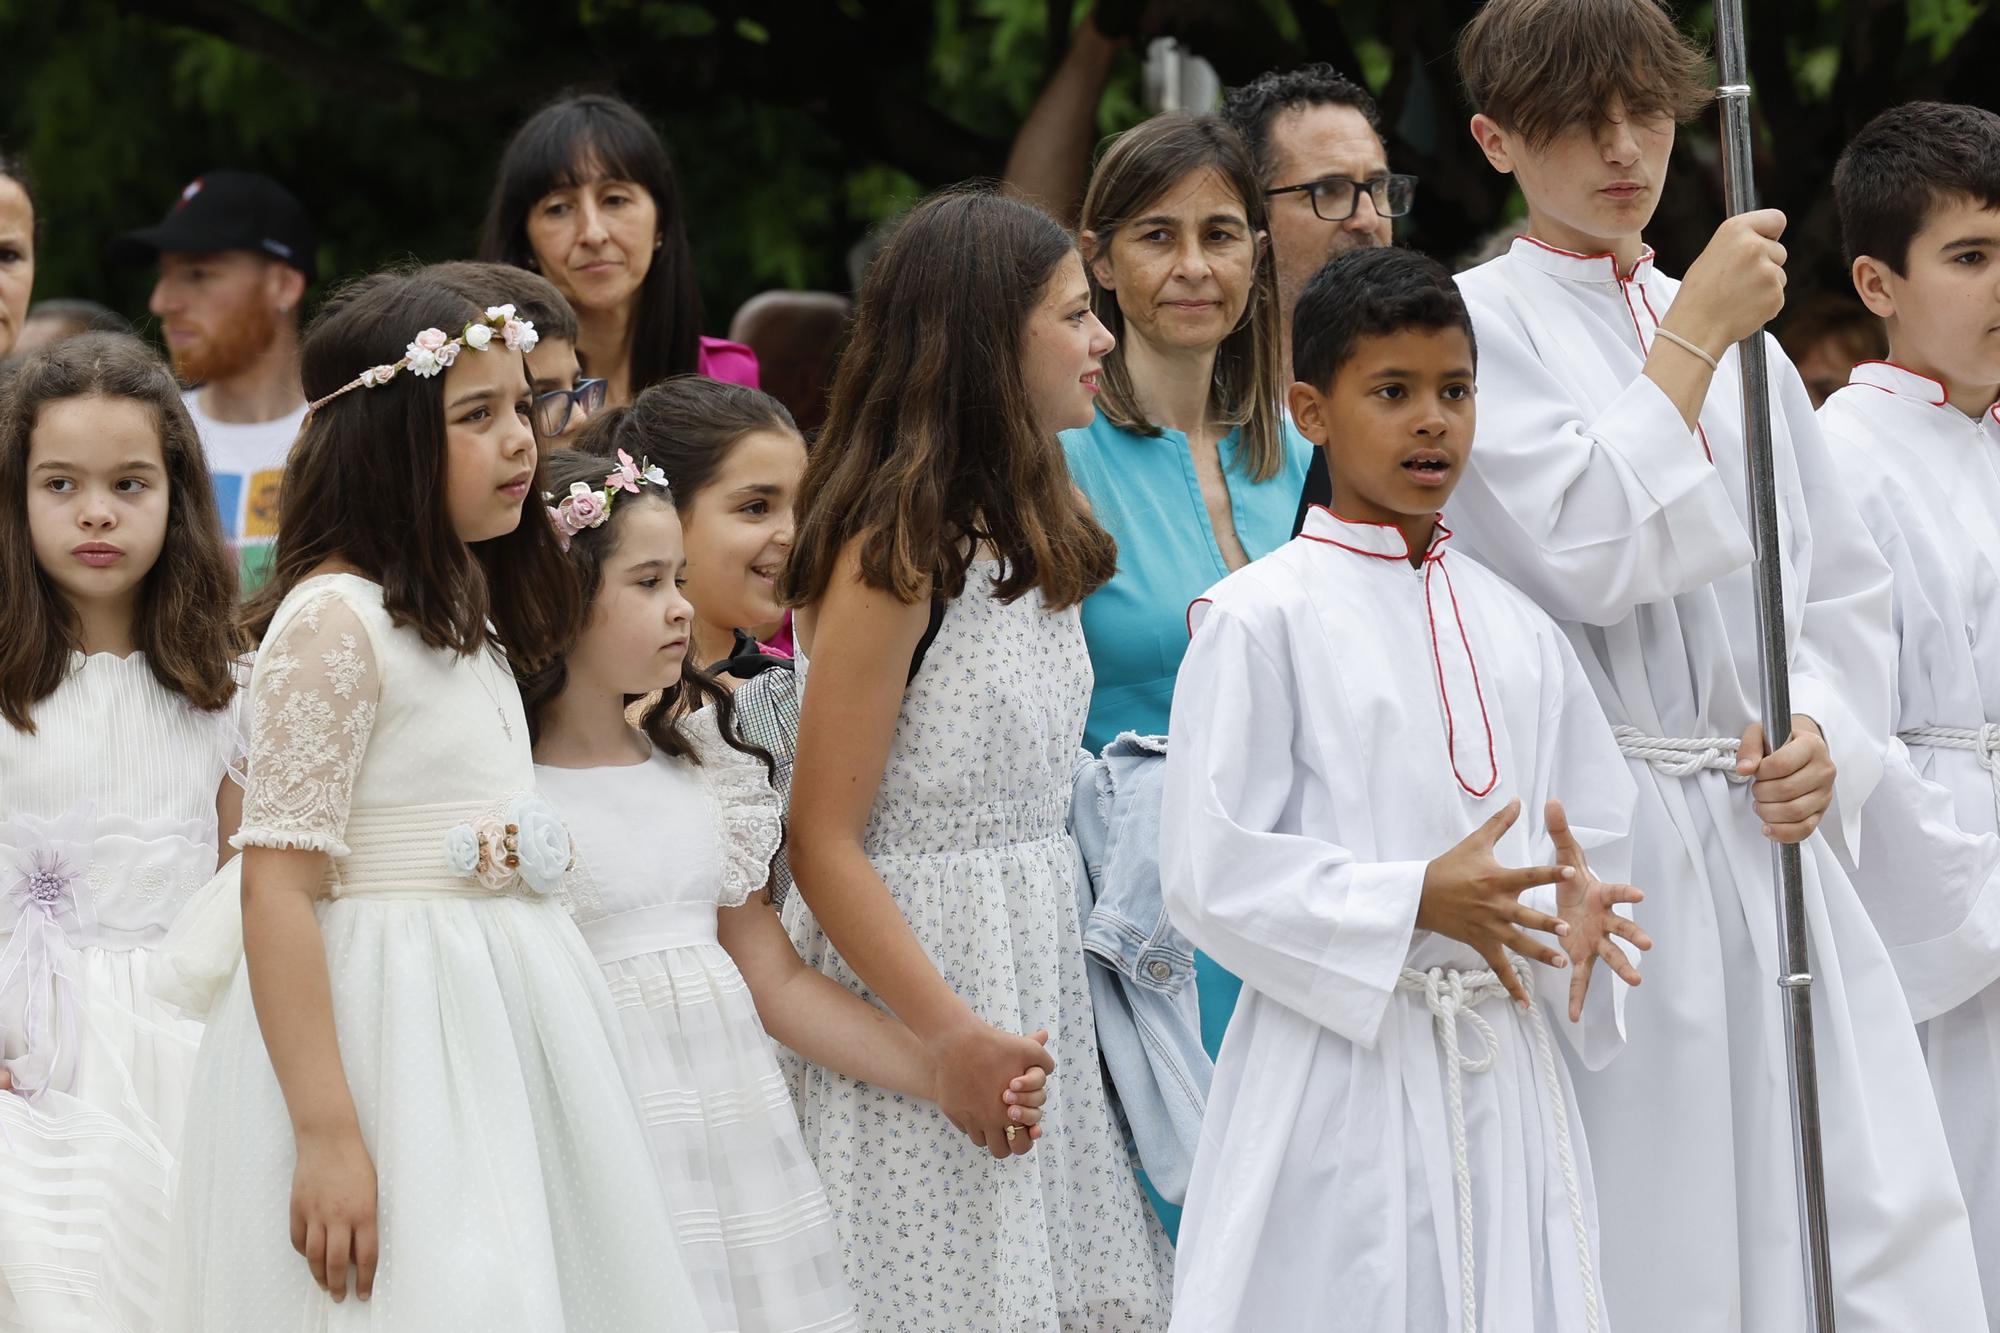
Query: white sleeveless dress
column 516, row 1192
column 969, row 832
column 107, row 825
column 660, row 846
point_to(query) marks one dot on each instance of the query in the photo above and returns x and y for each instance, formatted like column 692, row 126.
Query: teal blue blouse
column 1143, row 489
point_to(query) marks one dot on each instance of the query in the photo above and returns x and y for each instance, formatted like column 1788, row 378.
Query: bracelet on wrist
column 1688, row 345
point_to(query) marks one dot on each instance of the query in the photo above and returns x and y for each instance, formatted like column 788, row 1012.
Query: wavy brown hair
column 365, row 484
column 930, row 448
column 184, row 622
column 588, row 550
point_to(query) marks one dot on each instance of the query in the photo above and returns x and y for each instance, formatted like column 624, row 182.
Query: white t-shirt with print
column 246, row 460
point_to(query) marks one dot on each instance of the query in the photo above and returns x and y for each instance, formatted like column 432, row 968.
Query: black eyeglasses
column 1334, row 198
column 552, row 409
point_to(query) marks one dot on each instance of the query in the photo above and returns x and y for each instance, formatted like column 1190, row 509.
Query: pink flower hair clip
column 432, row 350
column 588, row 506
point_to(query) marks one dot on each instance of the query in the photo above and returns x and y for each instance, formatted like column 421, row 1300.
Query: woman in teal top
column 1191, row 463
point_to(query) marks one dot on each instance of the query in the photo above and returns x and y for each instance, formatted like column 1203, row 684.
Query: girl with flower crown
column 676, row 825
column 116, row 752
column 411, row 1092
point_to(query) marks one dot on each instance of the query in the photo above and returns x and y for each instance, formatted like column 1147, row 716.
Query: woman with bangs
column 587, row 197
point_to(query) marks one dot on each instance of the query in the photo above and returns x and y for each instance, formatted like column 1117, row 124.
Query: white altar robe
column 1927, row 481
column 1340, row 720
column 1588, row 491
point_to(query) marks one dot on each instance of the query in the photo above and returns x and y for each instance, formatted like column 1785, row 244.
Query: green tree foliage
column 800, row 126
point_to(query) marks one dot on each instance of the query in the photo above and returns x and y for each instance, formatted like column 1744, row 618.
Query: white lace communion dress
column 515, row 1185
column 660, row 846
column 107, row 825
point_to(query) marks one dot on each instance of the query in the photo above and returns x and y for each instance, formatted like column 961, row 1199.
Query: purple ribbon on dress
column 45, row 902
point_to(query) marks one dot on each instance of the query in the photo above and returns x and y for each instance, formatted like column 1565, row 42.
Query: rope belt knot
column 1452, row 995
column 1681, row 756
column 1982, row 741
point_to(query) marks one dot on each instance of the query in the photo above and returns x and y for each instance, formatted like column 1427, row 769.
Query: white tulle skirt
column 85, row 1164
column 516, row 1190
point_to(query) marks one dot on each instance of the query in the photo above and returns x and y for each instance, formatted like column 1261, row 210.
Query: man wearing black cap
column 236, row 254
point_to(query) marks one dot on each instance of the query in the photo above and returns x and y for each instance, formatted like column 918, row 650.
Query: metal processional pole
column 1795, row 974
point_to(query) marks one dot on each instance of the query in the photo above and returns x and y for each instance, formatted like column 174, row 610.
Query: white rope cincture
column 1451, row 995
column 1681, row 757
column 1982, row 741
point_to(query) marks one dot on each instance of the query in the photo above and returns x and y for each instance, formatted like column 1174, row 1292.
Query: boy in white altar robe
column 1916, row 437
column 1608, row 485
column 1368, row 729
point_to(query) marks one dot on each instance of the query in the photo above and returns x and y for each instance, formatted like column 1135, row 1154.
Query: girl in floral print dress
column 409, row 1113
column 934, row 870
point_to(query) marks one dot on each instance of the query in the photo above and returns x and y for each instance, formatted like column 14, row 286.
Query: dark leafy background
column 799, row 125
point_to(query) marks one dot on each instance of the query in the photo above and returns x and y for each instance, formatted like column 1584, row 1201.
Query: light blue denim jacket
column 1141, row 969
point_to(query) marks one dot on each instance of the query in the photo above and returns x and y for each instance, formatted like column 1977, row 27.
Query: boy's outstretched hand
column 1470, row 897
column 1586, row 903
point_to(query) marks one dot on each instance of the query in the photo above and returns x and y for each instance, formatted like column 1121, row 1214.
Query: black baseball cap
column 229, row 210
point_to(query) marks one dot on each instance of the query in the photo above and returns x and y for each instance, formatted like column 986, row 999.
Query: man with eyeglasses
column 1317, row 140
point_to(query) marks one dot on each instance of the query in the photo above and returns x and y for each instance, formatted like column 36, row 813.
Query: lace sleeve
column 312, row 705
column 752, row 817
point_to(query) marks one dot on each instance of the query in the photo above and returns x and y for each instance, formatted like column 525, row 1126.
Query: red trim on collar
column 1644, row 255
column 1943, row 399
column 1444, row 694
column 1440, row 534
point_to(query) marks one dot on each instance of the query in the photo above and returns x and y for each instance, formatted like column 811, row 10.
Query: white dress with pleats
column 107, row 826
column 660, row 846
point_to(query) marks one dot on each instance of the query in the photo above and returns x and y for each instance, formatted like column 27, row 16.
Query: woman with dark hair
column 17, row 249
column 587, row 197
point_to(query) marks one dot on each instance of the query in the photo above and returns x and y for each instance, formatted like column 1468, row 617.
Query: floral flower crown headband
column 431, row 351
column 588, row 507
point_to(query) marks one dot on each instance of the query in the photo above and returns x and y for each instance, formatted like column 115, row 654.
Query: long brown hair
column 588, row 550
column 930, row 447
column 365, row 483
column 184, row 622
column 1139, row 168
